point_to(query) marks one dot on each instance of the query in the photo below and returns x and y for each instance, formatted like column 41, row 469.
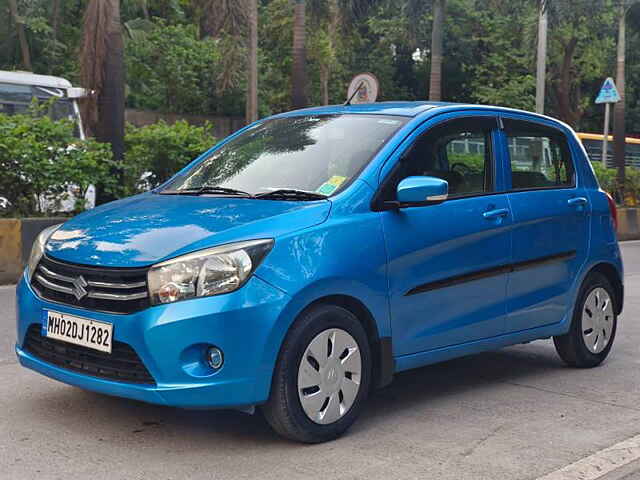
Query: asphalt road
column 518, row 413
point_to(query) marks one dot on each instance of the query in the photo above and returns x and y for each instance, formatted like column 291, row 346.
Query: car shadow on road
column 109, row 417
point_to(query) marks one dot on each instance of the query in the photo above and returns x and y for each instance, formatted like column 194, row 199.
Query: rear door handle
column 577, row 202
column 498, row 213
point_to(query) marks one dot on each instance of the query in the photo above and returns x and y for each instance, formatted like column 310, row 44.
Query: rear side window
column 539, row 156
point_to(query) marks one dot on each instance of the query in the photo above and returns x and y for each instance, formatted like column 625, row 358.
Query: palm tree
column 299, row 69
column 229, row 21
column 102, row 71
column 435, row 78
column 252, row 81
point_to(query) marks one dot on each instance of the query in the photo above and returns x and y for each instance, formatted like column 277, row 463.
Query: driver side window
column 459, row 152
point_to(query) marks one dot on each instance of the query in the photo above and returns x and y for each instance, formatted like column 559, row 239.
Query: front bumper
column 247, row 325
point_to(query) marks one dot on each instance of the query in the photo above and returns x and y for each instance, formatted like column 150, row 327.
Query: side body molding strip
column 491, row 272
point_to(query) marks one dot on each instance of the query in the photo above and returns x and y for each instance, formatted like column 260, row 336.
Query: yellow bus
column 593, row 145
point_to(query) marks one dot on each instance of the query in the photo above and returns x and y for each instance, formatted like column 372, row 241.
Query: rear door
column 551, row 218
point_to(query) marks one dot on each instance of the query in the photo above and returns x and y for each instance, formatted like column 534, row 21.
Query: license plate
column 79, row 331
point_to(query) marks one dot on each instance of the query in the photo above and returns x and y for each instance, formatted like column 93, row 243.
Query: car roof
column 414, row 109
column 405, row 109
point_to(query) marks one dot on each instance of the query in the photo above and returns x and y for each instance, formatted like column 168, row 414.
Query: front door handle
column 577, row 202
column 498, row 213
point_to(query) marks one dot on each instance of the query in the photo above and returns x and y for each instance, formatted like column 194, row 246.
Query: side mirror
column 414, row 191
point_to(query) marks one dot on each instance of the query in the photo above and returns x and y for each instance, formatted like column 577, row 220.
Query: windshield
column 16, row 99
column 319, row 153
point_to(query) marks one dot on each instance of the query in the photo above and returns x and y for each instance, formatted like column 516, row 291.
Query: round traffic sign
column 367, row 87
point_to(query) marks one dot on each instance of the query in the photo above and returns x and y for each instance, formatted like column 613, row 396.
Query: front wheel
column 322, row 376
column 593, row 327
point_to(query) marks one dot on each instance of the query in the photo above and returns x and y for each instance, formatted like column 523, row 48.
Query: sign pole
column 608, row 95
column 605, row 140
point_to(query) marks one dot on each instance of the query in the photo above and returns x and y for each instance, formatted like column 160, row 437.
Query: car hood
column 149, row 228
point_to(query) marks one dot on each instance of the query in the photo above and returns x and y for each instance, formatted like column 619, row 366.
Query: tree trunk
column 299, row 69
column 145, row 9
column 55, row 19
column 566, row 110
column 541, row 70
column 324, row 83
column 435, row 79
column 22, row 36
column 619, row 109
column 252, row 81
column 110, row 126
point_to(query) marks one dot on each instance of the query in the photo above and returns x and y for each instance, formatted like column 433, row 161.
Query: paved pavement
column 518, row 413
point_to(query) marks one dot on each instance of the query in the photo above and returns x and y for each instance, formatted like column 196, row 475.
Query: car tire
column 306, row 413
column 594, row 320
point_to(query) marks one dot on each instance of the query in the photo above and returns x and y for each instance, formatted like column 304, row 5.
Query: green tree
column 619, row 127
column 506, row 44
column 581, row 43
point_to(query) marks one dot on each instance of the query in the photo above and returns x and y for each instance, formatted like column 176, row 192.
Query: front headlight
column 208, row 272
column 37, row 250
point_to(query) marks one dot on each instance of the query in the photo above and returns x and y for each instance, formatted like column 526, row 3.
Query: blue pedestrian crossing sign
column 608, row 92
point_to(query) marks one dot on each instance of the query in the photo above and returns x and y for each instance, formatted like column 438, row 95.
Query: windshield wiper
column 290, row 194
column 205, row 190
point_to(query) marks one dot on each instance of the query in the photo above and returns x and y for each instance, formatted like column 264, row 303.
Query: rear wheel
column 593, row 327
column 322, row 376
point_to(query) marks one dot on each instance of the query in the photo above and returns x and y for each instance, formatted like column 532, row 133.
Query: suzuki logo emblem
column 79, row 284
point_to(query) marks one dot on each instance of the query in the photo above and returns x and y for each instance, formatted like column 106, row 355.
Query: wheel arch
column 381, row 347
column 613, row 275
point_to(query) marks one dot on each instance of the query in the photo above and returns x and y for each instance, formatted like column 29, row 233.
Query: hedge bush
column 607, row 177
column 40, row 158
column 155, row 152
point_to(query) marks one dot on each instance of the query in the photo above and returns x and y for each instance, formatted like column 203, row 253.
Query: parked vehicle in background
column 593, row 145
column 304, row 260
column 18, row 90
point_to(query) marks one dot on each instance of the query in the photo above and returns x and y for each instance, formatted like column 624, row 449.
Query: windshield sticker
column 331, row 185
column 386, row 121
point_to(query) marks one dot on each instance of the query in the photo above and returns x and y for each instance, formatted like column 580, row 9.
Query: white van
column 19, row 89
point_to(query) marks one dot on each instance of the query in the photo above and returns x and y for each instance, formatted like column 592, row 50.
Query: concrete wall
column 222, row 126
column 10, row 250
column 628, row 224
column 16, row 238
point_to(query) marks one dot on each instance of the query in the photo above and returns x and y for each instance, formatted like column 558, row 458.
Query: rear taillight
column 614, row 210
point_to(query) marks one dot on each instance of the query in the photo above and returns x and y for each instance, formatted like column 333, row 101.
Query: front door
column 447, row 262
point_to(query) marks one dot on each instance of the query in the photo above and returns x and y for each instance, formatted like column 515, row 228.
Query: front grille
column 115, row 290
column 122, row 364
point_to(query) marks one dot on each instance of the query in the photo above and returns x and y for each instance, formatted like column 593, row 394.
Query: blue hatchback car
column 303, row 261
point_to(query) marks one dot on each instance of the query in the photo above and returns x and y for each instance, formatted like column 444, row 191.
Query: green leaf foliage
column 155, row 152
column 40, row 158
